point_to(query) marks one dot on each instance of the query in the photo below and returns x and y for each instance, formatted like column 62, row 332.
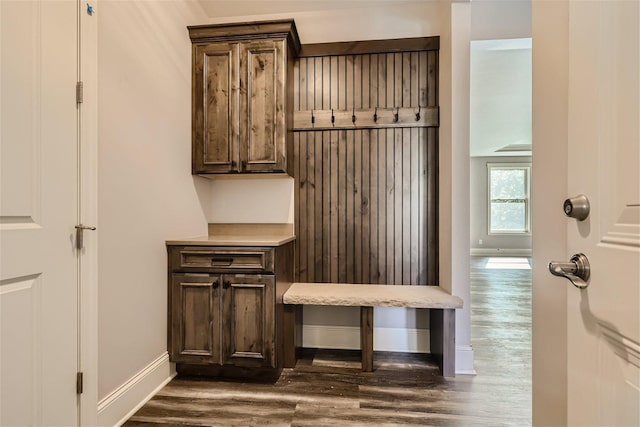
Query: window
column 509, row 207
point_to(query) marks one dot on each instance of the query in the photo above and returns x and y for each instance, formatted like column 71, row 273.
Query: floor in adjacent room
column 327, row 387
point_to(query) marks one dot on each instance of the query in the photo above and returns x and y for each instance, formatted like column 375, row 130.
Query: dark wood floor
column 328, row 387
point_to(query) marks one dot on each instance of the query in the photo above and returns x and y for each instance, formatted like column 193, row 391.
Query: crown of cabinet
column 242, row 97
column 282, row 29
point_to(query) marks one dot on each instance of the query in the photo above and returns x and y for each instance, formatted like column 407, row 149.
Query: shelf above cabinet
column 270, row 235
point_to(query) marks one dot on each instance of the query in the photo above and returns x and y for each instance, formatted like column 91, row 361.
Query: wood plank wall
column 366, row 199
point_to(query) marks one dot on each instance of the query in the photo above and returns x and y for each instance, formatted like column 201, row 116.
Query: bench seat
column 341, row 294
column 441, row 304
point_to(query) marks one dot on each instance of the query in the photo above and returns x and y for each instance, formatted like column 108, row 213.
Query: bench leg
column 366, row 338
column 292, row 334
column 443, row 341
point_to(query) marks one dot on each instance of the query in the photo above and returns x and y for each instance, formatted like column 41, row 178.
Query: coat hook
column 396, row 115
column 333, row 118
column 418, row 113
column 375, row 115
column 353, row 116
column 313, row 118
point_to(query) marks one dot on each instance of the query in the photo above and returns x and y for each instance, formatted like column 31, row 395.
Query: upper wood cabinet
column 242, row 111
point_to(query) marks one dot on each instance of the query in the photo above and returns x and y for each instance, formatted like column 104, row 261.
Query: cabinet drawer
column 222, row 259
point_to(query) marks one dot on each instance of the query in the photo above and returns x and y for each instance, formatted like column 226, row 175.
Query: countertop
column 240, row 235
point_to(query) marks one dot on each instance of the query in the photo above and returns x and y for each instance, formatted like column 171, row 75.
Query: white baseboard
column 384, row 339
column 123, row 402
column 499, row 252
column 464, row 360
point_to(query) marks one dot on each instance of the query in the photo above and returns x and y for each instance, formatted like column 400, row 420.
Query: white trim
column 407, row 340
column 123, row 402
column 464, row 360
column 500, row 252
column 88, row 118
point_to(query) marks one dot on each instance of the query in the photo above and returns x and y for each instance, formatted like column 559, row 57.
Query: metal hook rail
column 372, row 118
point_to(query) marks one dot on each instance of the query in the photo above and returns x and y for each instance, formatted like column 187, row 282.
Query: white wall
column 479, row 210
column 251, row 199
column 500, row 95
column 332, row 21
column 500, row 19
column 146, row 191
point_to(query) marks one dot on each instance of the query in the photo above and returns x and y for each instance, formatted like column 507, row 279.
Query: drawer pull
column 221, row 261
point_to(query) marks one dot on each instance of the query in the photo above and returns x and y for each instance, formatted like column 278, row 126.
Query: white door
column 38, row 211
column 586, row 141
column 603, row 320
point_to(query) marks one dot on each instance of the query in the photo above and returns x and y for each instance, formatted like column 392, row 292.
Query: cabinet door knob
column 215, row 284
column 226, row 284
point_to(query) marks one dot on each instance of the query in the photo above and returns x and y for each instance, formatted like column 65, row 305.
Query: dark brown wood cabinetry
column 225, row 306
column 195, row 333
column 248, row 322
column 242, row 112
column 223, row 319
column 366, row 187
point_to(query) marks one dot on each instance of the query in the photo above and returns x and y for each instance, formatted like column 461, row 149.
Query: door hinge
column 79, row 92
column 79, row 383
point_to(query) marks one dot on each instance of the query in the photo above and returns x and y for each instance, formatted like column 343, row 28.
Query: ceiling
column 500, row 111
column 229, row 8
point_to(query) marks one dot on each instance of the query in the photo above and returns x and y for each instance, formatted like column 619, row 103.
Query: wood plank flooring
column 327, row 387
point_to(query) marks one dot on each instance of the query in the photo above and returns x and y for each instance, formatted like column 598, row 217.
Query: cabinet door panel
column 262, row 130
column 195, row 322
column 215, row 98
column 248, row 313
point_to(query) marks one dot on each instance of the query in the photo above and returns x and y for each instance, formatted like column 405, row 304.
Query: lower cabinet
column 226, row 319
column 225, row 311
column 248, row 322
column 195, row 330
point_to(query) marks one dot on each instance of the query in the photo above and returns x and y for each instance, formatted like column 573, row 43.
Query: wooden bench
column 441, row 305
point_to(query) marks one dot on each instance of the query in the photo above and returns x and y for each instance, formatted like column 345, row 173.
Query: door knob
column 577, row 207
column 577, row 270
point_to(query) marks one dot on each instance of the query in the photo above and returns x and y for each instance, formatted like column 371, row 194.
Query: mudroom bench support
column 440, row 303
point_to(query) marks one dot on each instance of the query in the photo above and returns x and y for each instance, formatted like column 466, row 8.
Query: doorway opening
column 500, row 228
